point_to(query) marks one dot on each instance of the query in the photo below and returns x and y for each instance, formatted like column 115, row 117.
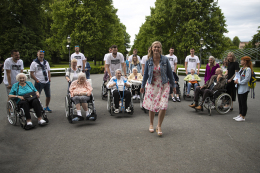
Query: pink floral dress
column 156, row 94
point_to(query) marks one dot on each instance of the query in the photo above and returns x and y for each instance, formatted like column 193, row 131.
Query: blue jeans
column 189, row 87
column 45, row 86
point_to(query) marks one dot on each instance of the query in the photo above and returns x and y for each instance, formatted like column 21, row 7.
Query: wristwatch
column 16, row 96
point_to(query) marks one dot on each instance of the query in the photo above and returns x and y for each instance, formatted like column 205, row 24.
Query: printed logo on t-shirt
column 115, row 61
column 192, row 60
column 40, row 68
column 77, row 57
column 16, row 67
column 170, row 59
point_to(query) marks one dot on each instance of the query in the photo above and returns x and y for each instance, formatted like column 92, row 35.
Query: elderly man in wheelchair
column 211, row 89
column 81, row 95
column 24, row 96
column 117, row 85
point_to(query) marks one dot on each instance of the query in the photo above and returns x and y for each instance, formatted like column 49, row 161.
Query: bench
column 54, row 71
column 183, row 71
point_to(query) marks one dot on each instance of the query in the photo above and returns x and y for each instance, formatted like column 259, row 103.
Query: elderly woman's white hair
column 19, row 75
column 74, row 60
column 192, row 69
column 134, row 69
column 81, row 75
column 213, row 59
column 118, row 70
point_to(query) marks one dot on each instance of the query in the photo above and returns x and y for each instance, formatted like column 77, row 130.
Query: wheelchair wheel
column 109, row 101
column 141, row 100
column 209, row 110
column 223, row 103
column 184, row 88
column 22, row 118
column 11, row 112
column 66, row 106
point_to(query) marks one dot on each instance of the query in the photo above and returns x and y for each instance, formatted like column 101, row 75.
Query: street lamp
column 201, row 43
column 68, row 46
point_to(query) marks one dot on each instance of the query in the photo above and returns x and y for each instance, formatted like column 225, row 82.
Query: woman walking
column 243, row 89
column 233, row 67
column 158, row 72
column 210, row 68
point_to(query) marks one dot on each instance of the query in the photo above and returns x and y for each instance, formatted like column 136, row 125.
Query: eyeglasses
column 42, row 51
column 76, row 46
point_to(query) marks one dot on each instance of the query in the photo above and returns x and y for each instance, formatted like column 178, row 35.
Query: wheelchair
column 103, row 91
column 111, row 104
column 70, row 108
column 185, row 88
column 14, row 111
column 219, row 101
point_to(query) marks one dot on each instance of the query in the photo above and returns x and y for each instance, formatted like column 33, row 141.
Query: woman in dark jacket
column 233, row 67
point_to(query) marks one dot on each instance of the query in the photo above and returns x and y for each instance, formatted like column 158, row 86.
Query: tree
column 181, row 24
column 236, row 41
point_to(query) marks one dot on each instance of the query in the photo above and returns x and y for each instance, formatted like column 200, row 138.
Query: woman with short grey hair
column 80, row 91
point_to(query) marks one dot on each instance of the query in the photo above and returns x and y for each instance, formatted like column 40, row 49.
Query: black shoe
column 173, row 99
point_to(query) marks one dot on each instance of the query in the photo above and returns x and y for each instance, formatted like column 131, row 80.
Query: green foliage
column 181, row 24
column 236, row 41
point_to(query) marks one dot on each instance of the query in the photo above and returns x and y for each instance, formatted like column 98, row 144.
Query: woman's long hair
column 214, row 62
column 233, row 56
column 248, row 62
column 137, row 61
column 150, row 51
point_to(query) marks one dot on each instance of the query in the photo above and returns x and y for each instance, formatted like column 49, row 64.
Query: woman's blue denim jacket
column 166, row 71
column 244, row 79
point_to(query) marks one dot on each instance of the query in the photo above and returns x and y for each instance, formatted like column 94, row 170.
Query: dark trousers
column 242, row 101
column 35, row 104
column 127, row 96
column 136, row 90
column 177, row 89
column 204, row 92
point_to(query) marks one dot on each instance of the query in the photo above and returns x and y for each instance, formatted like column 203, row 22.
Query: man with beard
column 80, row 58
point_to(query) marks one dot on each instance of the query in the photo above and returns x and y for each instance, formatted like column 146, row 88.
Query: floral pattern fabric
column 156, row 94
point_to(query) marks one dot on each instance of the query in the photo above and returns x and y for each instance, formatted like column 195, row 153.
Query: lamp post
column 68, row 46
column 201, row 43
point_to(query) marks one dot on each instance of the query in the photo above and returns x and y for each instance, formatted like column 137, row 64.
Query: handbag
column 30, row 96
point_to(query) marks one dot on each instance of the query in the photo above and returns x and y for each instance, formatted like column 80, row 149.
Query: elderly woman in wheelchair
column 26, row 97
column 80, row 91
column 136, row 80
column 216, row 83
column 117, row 85
column 191, row 81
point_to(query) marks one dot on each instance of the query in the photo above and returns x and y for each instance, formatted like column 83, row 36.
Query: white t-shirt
column 120, row 84
column 80, row 57
column 144, row 59
column 37, row 69
column 131, row 57
column 192, row 62
column 106, row 55
column 115, row 63
column 173, row 60
column 15, row 68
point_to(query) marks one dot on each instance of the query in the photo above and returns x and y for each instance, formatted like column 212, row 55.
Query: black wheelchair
column 103, row 91
column 70, row 108
column 219, row 101
column 14, row 111
column 122, row 108
column 185, row 87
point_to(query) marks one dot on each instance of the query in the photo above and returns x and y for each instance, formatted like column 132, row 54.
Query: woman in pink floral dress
column 157, row 74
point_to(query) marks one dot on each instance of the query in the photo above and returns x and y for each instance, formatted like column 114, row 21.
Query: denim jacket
column 244, row 79
column 166, row 71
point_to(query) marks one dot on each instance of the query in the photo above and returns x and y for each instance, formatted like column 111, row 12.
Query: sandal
column 158, row 133
column 151, row 130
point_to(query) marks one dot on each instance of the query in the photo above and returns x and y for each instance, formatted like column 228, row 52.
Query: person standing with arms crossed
column 12, row 67
column 80, row 57
column 40, row 73
column 158, row 73
column 192, row 61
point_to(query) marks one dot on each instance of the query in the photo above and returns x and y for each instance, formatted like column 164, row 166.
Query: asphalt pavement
column 191, row 142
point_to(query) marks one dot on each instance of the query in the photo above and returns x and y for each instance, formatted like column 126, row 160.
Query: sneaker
column 116, row 111
column 47, row 109
column 134, row 97
column 173, row 99
column 78, row 118
column 42, row 122
column 29, row 124
column 138, row 97
column 236, row 117
column 178, row 99
column 128, row 109
column 240, row 119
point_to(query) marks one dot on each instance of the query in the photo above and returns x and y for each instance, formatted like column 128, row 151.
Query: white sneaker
column 29, row 124
column 42, row 122
column 116, row 111
column 128, row 109
column 138, row 97
column 134, row 97
column 240, row 119
column 236, row 117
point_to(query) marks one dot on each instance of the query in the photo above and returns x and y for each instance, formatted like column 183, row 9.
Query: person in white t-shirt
column 12, row 67
column 105, row 57
column 173, row 62
column 80, row 58
column 131, row 57
column 143, row 61
column 40, row 73
column 191, row 62
column 115, row 61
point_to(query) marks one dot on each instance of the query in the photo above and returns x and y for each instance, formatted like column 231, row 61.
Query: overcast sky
column 242, row 16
